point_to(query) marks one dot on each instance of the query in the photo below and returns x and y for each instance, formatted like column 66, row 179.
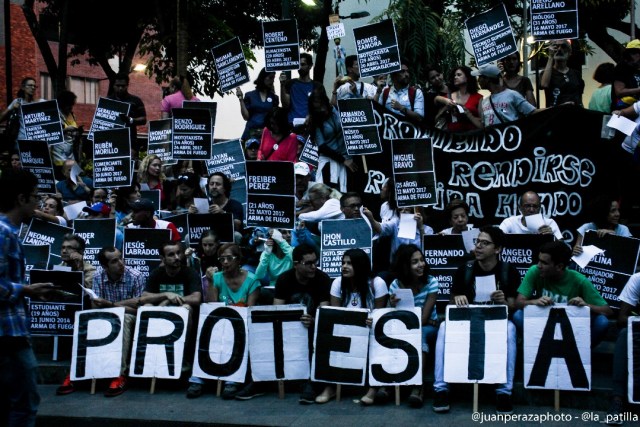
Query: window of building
column 86, row 89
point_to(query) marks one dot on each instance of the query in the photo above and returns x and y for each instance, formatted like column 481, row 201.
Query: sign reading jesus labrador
column 413, row 172
column 270, row 194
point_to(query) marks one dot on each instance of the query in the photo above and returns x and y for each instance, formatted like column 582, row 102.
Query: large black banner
column 489, row 169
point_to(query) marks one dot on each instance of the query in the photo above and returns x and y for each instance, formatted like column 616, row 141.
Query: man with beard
column 72, row 255
column 402, row 98
column 466, row 290
column 304, row 284
column 219, row 190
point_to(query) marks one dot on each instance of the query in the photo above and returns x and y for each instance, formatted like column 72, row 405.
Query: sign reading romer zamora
column 230, row 64
column 281, row 50
column 377, row 47
column 553, row 20
column 491, row 35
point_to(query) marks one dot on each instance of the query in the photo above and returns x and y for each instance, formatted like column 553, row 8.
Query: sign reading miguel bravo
column 192, row 133
column 359, row 126
column 413, row 172
column 491, row 35
column 553, row 20
column 230, row 64
column 112, row 158
column 42, row 122
column 377, row 47
column 270, row 194
column 281, row 46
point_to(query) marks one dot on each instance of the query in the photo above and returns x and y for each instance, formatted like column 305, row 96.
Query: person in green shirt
column 550, row 282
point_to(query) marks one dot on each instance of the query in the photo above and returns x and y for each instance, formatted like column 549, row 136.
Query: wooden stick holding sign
column 556, row 400
column 475, row 397
column 152, row 389
column 93, row 386
column 364, row 165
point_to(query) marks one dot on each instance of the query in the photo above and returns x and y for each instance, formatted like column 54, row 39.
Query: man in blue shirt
column 18, row 365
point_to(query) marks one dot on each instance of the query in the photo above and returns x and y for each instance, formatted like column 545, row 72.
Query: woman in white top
column 458, row 213
column 356, row 289
column 605, row 212
column 52, row 211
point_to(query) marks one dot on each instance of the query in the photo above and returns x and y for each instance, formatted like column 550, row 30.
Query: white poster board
column 278, row 343
column 475, row 347
column 158, row 342
column 395, row 347
column 557, row 347
column 97, row 344
column 222, row 350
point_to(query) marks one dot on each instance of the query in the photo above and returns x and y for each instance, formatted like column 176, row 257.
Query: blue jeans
column 19, row 382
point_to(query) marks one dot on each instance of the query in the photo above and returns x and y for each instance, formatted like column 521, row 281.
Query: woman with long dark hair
column 278, row 142
column 256, row 104
column 463, row 102
column 356, row 288
column 412, row 272
column 604, row 212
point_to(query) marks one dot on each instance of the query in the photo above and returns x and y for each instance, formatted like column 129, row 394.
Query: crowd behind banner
column 317, row 191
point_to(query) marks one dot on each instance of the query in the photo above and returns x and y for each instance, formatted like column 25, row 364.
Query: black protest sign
column 557, row 347
column 36, row 257
column 414, row 172
column 610, row 271
column 553, row 20
column 227, row 158
column 280, row 40
column 521, row 250
column 36, row 158
column 42, row 122
column 309, row 153
column 222, row 346
column 158, row 342
column 142, row 248
column 239, row 194
column 395, row 348
column 112, row 158
column 222, row 224
column 230, row 64
column 339, row 235
column 491, row 35
column 97, row 234
column 202, row 105
column 270, row 327
column 633, row 345
column 181, row 221
column 42, row 232
column 377, row 48
column 470, row 332
column 97, row 344
column 153, row 196
column 347, row 352
column 270, row 194
column 56, row 315
column 192, row 133
column 107, row 116
column 160, row 140
column 444, row 254
column 359, row 126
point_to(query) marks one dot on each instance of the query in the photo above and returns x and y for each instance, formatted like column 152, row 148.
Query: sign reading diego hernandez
column 491, row 35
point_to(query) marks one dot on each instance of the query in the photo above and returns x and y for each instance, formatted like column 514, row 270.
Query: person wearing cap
column 102, row 210
column 503, row 104
column 251, row 149
column 142, row 217
column 626, row 77
column 561, row 84
column 303, row 178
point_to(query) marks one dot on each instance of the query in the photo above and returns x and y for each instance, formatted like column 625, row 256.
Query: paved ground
column 169, row 407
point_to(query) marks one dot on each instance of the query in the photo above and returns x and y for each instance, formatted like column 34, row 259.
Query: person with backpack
column 403, row 98
column 15, row 129
column 467, row 290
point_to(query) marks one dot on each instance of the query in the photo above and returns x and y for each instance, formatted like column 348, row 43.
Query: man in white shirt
column 529, row 205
